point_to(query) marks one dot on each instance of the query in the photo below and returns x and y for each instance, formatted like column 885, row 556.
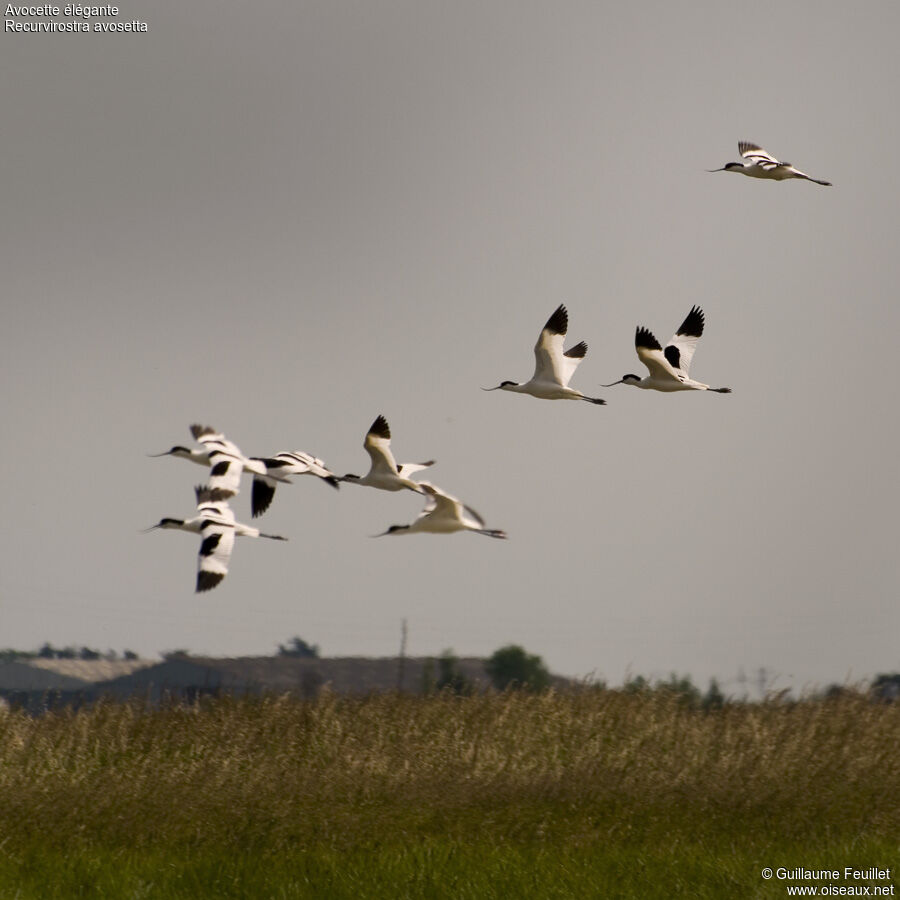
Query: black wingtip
column 643, row 337
column 206, row 581
column 579, row 351
column 260, row 497
column 692, row 326
column 558, row 323
column 205, row 494
column 197, row 431
column 380, row 428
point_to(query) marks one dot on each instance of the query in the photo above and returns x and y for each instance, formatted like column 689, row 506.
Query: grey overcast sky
column 283, row 218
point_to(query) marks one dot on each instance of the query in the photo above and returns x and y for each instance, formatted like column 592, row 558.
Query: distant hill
column 36, row 683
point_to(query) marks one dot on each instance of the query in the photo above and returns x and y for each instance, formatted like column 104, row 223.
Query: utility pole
column 401, row 659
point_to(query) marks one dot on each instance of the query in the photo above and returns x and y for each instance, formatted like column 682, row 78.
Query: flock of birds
column 668, row 367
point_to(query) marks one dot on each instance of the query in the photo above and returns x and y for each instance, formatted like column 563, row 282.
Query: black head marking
column 395, row 528
column 733, row 165
column 579, row 351
column 558, row 323
column 168, row 521
column 505, row 383
column 643, row 337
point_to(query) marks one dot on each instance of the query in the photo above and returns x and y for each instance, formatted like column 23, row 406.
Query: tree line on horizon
column 509, row 667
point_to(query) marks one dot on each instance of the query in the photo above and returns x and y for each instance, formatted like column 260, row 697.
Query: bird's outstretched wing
column 226, row 462
column 217, row 537
column 378, row 445
column 755, row 154
column 278, row 468
column 650, row 353
column 407, row 469
column 549, row 364
column 680, row 350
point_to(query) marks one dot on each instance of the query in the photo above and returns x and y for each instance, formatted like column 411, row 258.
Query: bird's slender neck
column 181, row 524
column 201, row 457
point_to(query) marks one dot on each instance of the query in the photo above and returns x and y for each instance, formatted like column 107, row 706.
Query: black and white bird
column 384, row 473
column 759, row 164
column 278, row 468
column 224, row 458
column 553, row 368
column 444, row 514
column 215, row 523
column 670, row 367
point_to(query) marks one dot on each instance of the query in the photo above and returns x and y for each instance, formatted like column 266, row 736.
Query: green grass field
column 585, row 794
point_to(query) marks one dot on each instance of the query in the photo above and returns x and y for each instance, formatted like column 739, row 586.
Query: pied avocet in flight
column 759, row 164
column 215, row 523
column 444, row 514
column 669, row 368
column 384, row 473
column 295, row 462
column 553, row 369
column 224, row 458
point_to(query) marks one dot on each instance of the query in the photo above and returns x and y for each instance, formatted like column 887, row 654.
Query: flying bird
column 224, row 458
column 553, row 368
column 444, row 514
column 215, row 523
column 278, row 467
column 384, row 473
column 759, row 164
column 670, row 368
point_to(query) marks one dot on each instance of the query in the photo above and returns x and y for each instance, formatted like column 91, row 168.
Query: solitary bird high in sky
column 759, row 164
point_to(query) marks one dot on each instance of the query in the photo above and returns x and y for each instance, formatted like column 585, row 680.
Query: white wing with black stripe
column 755, row 154
column 680, row 350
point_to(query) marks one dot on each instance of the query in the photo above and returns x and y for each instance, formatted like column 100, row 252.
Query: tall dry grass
column 585, row 767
